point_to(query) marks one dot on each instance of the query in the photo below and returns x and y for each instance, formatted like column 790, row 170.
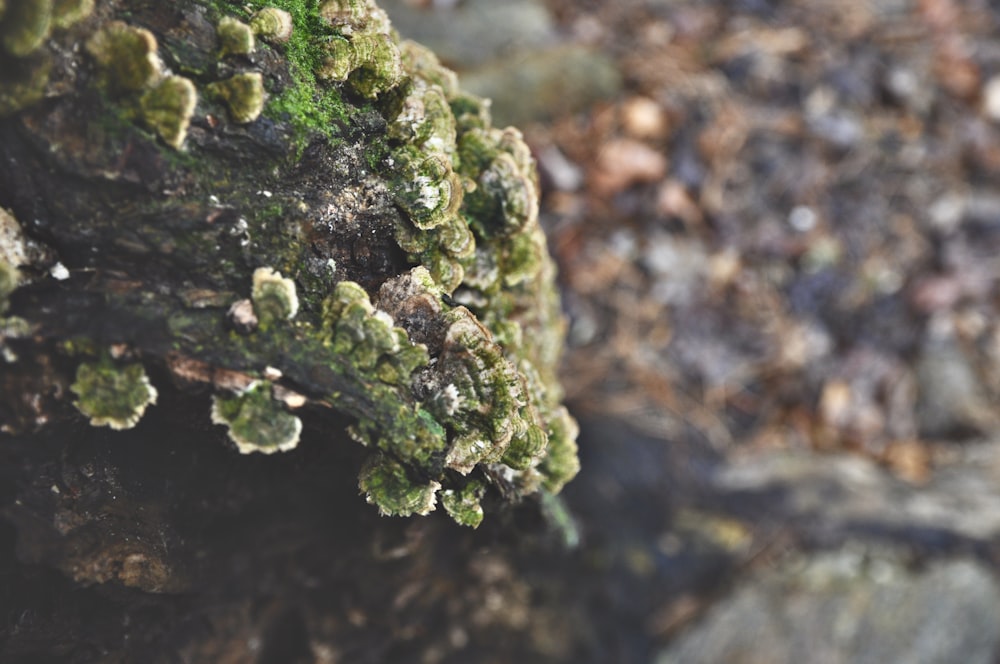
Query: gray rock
column 951, row 398
column 476, row 31
column 845, row 493
column 539, row 85
column 851, row 606
column 508, row 52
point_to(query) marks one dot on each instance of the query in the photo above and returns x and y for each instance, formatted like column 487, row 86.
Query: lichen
column 112, row 395
column 257, row 422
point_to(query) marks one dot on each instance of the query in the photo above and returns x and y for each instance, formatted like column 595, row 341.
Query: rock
column 623, row 162
column 540, row 85
column 951, row 397
column 852, row 606
column 991, row 99
column 476, row 31
column 832, row 497
column 643, row 118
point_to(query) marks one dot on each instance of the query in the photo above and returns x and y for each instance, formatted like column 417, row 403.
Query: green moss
column 112, row 395
column 311, row 108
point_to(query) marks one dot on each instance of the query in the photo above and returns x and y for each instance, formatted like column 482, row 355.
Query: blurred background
column 778, row 230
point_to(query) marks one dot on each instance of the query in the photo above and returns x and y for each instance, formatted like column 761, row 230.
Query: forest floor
column 778, row 229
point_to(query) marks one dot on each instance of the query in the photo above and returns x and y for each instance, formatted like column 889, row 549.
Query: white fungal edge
column 247, row 447
column 429, row 505
column 133, row 419
column 267, row 275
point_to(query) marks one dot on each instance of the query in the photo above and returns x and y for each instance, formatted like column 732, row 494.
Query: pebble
column 625, row 161
column 643, row 118
column 991, row 99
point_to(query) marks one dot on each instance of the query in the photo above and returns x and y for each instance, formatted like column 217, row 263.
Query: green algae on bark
column 356, row 238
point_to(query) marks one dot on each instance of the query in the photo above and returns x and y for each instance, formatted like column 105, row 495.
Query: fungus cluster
column 394, row 271
column 25, row 63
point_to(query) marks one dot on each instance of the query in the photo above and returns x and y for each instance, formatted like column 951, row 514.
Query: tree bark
column 234, row 227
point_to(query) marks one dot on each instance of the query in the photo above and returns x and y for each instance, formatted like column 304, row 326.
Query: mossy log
column 273, row 229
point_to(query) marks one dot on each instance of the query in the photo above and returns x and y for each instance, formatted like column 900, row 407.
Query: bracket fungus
column 272, row 24
column 25, row 63
column 409, row 288
column 235, row 37
column 112, row 395
column 167, row 108
column 257, row 422
column 273, row 296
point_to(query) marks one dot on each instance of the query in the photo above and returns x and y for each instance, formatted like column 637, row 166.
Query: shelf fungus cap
column 168, row 107
column 235, row 37
column 24, row 25
column 387, row 486
column 244, row 95
column 9, row 279
column 257, row 422
column 112, row 395
column 369, row 61
column 126, row 56
column 463, row 505
column 273, row 296
column 67, row 12
column 345, row 12
column 272, row 25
